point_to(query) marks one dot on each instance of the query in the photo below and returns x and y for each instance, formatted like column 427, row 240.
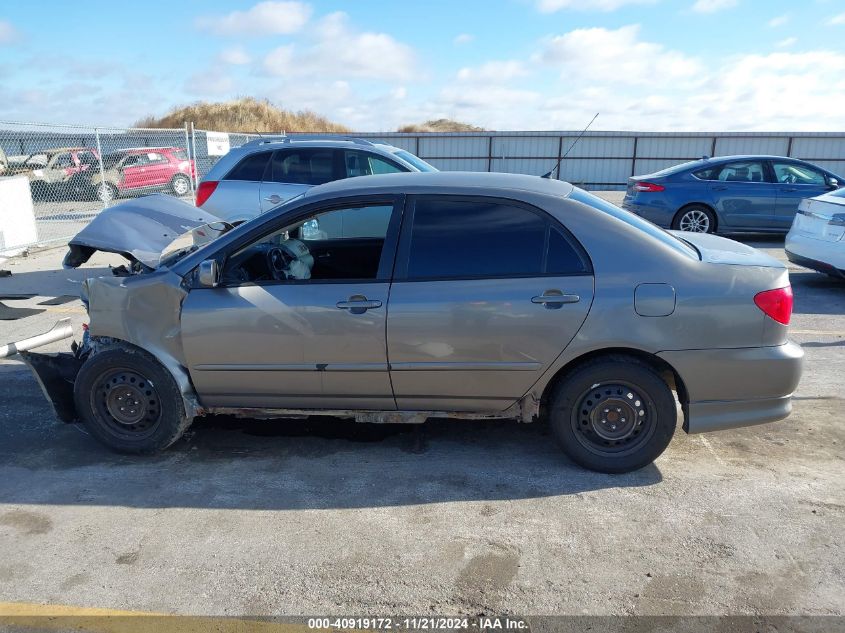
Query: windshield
column 110, row 160
column 634, row 220
column 416, row 161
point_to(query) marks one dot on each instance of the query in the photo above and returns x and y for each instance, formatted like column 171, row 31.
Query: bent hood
column 721, row 250
column 139, row 229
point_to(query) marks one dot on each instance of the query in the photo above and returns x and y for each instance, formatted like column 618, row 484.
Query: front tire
column 180, row 185
column 106, row 192
column 695, row 218
column 613, row 415
column 129, row 402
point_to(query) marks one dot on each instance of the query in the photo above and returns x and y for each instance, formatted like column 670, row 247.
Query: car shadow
column 815, row 293
column 318, row 463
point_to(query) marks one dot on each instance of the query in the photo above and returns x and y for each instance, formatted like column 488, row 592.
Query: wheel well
column 698, row 204
column 666, row 371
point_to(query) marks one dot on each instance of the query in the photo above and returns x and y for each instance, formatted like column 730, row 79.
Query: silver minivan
column 265, row 172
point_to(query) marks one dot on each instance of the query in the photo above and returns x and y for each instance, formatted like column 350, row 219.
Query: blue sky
column 374, row 65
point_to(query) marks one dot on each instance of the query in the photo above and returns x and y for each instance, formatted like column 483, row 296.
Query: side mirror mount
column 208, row 273
column 833, row 183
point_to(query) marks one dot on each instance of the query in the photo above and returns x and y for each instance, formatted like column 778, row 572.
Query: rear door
column 487, row 293
column 295, row 170
column 743, row 194
column 794, row 182
column 156, row 169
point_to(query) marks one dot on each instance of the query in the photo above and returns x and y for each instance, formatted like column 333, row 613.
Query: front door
column 794, row 182
column 744, row 196
column 486, row 296
column 304, row 329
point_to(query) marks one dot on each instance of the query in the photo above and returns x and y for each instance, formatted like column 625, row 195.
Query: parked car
column 51, row 170
column 816, row 239
column 261, row 174
column 728, row 194
column 142, row 170
column 462, row 295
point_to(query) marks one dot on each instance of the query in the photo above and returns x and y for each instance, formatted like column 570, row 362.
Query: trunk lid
column 815, row 218
column 719, row 250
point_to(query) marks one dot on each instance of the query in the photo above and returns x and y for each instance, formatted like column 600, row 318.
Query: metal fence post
column 194, row 151
column 100, row 161
column 192, row 160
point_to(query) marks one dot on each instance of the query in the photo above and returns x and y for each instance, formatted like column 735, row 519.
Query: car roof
column 442, row 182
column 289, row 141
column 56, row 150
column 141, row 150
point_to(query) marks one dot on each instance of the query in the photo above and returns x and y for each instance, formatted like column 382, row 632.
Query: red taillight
column 776, row 303
column 205, row 190
column 648, row 186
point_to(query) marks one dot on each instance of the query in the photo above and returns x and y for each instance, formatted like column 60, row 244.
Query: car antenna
column 560, row 160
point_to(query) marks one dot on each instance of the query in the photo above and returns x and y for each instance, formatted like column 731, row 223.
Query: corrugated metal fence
column 605, row 160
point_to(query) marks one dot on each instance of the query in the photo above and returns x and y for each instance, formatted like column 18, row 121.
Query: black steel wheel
column 613, row 415
column 129, row 402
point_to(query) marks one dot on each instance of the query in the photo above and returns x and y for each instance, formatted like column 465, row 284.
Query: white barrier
column 17, row 215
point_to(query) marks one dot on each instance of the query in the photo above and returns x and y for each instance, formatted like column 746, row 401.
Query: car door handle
column 719, row 188
column 358, row 304
column 791, row 189
column 275, row 199
column 554, row 299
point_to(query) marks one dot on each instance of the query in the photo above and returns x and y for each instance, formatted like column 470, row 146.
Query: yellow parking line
column 57, row 617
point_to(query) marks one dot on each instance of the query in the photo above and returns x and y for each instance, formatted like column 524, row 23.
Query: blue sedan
column 728, row 194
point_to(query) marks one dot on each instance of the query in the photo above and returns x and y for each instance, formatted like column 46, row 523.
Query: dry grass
column 245, row 114
column 440, row 125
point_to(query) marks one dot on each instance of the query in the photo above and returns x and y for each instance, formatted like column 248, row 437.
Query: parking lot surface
column 325, row 515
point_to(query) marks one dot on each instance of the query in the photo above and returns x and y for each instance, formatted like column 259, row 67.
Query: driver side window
column 330, row 245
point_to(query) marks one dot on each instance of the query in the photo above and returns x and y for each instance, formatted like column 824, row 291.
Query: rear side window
column 453, row 239
column 746, row 171
column 250, row 168
column 303, row 166
column 366, row 164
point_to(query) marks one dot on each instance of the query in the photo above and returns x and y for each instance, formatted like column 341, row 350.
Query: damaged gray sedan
column 402, row 297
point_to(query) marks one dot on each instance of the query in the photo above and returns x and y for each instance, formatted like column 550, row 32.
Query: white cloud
column 598, row 53
column 463, row 38
column 235, row 56
column 779, row 20
column 786, row 42
column 337, row 50
column 8, row 33
column 550, row 6
column 493, row 72
column 837, row 20
column 712, row 6
column 265, row 18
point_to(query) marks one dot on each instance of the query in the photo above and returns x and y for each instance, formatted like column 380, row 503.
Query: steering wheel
column 277, row 263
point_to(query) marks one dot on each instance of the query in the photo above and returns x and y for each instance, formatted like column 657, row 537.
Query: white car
column 816, row 238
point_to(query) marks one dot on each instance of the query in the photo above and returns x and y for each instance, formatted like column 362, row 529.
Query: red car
column 143, row 169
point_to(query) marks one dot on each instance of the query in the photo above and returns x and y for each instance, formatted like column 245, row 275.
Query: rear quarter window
column 250, row 168
column 579, row 195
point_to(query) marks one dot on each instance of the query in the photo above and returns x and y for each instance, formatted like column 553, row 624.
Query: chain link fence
column 71, row 173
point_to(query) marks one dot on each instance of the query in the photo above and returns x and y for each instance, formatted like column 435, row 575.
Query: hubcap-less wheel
column 613, row 418
column 127, row 402
column 695, row 221
column 181, row 185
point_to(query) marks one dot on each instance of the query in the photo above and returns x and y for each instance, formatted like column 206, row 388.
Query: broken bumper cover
column 55, row 373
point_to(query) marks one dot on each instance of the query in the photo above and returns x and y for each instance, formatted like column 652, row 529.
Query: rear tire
column 180, row 185
column 613, row 415
column 696, row 218
column 129, row 402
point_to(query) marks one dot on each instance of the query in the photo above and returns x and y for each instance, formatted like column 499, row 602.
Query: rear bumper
column 794, row 244
column 658, row 213
column 730, row 388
